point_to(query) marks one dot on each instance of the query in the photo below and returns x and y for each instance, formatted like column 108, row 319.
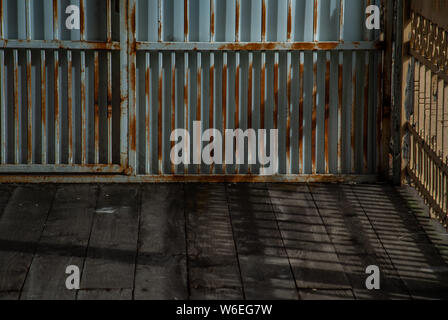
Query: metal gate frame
column 54, row 47
column 424, row 101
column 129, row 46
column 187, row 46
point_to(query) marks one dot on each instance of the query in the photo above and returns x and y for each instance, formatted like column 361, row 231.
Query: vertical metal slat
column 96, row 106
column 43, row 93
column 70, row 105
column 17, row 128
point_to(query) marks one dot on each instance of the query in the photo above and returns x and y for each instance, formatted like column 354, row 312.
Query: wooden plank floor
column 219, row 241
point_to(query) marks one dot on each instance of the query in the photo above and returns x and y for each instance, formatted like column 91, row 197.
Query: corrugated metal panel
column 106, row 98
column 307, row 68
column 59, row 111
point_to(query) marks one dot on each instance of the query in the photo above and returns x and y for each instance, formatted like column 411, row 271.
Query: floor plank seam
column 38, row 241
column 10, row 193
column 338, row 256
column 234, row 241
column 283, row 241
column 187, row 256
column 140, row 197
column 98, row 190
column 423, row 207
column 381, row 242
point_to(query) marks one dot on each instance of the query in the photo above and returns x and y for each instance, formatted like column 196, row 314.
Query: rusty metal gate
column 99, row 104
column 427, row 102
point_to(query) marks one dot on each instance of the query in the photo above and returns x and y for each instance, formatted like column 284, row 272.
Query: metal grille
column 306, row 68
column 105, row 99
column 59, row 112
column 428, row 165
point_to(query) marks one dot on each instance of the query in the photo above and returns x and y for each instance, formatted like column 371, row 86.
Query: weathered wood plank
column 63, row 243
column 21, row 226
column 105, row 294
column 417, row 260
column 311, row 253
column 435, row 231
column 326, row 295
column 9, row 295
column 161, row 264
column 5, row 194
column 110, row 262
column 356, row 242
column 213, row 262
column 265, row 267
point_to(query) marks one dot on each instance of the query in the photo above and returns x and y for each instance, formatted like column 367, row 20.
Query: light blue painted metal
column 306, row 67
column 59, row 112
column 106, row 98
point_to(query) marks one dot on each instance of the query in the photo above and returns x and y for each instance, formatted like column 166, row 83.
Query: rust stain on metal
column 211, row 106
column 212, row 95
column 327, row 45
column 96, row 104
column 160, row 30
column 340, row 92
column 62, row 45
column 199, row 107
column 237, row 97
column 43, row 88
column 288, row 119
column 186, row 86
column 70, row 105
column 173, row 99
column 289, row 22
column 237, row 21
column 314, row 119
column 301, row 117
column 132, row 46
column 263, row 95
column 199, row 97
column 366, row 115
column 83, row 20
column 327, row 115
column 56, row 105
column 271, row 46
column 249, row 95
column 224, row 96
column 186, row 20
column 379, row 118
column 83, row 115
column 173, row 107
column 212, row 24
column 132, row 130
column 353, row 127
column 303, row 46
column 148, row 110
column 276, row 96
column 30, row 108
column 224, row 106
column 263, row 21
column 16, row 106
column 109, row 108
column 159, row 118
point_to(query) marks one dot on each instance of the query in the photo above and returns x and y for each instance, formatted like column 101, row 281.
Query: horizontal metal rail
column 59, row 44
column 54, row 169
column 70, row 178
column 260, row 46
